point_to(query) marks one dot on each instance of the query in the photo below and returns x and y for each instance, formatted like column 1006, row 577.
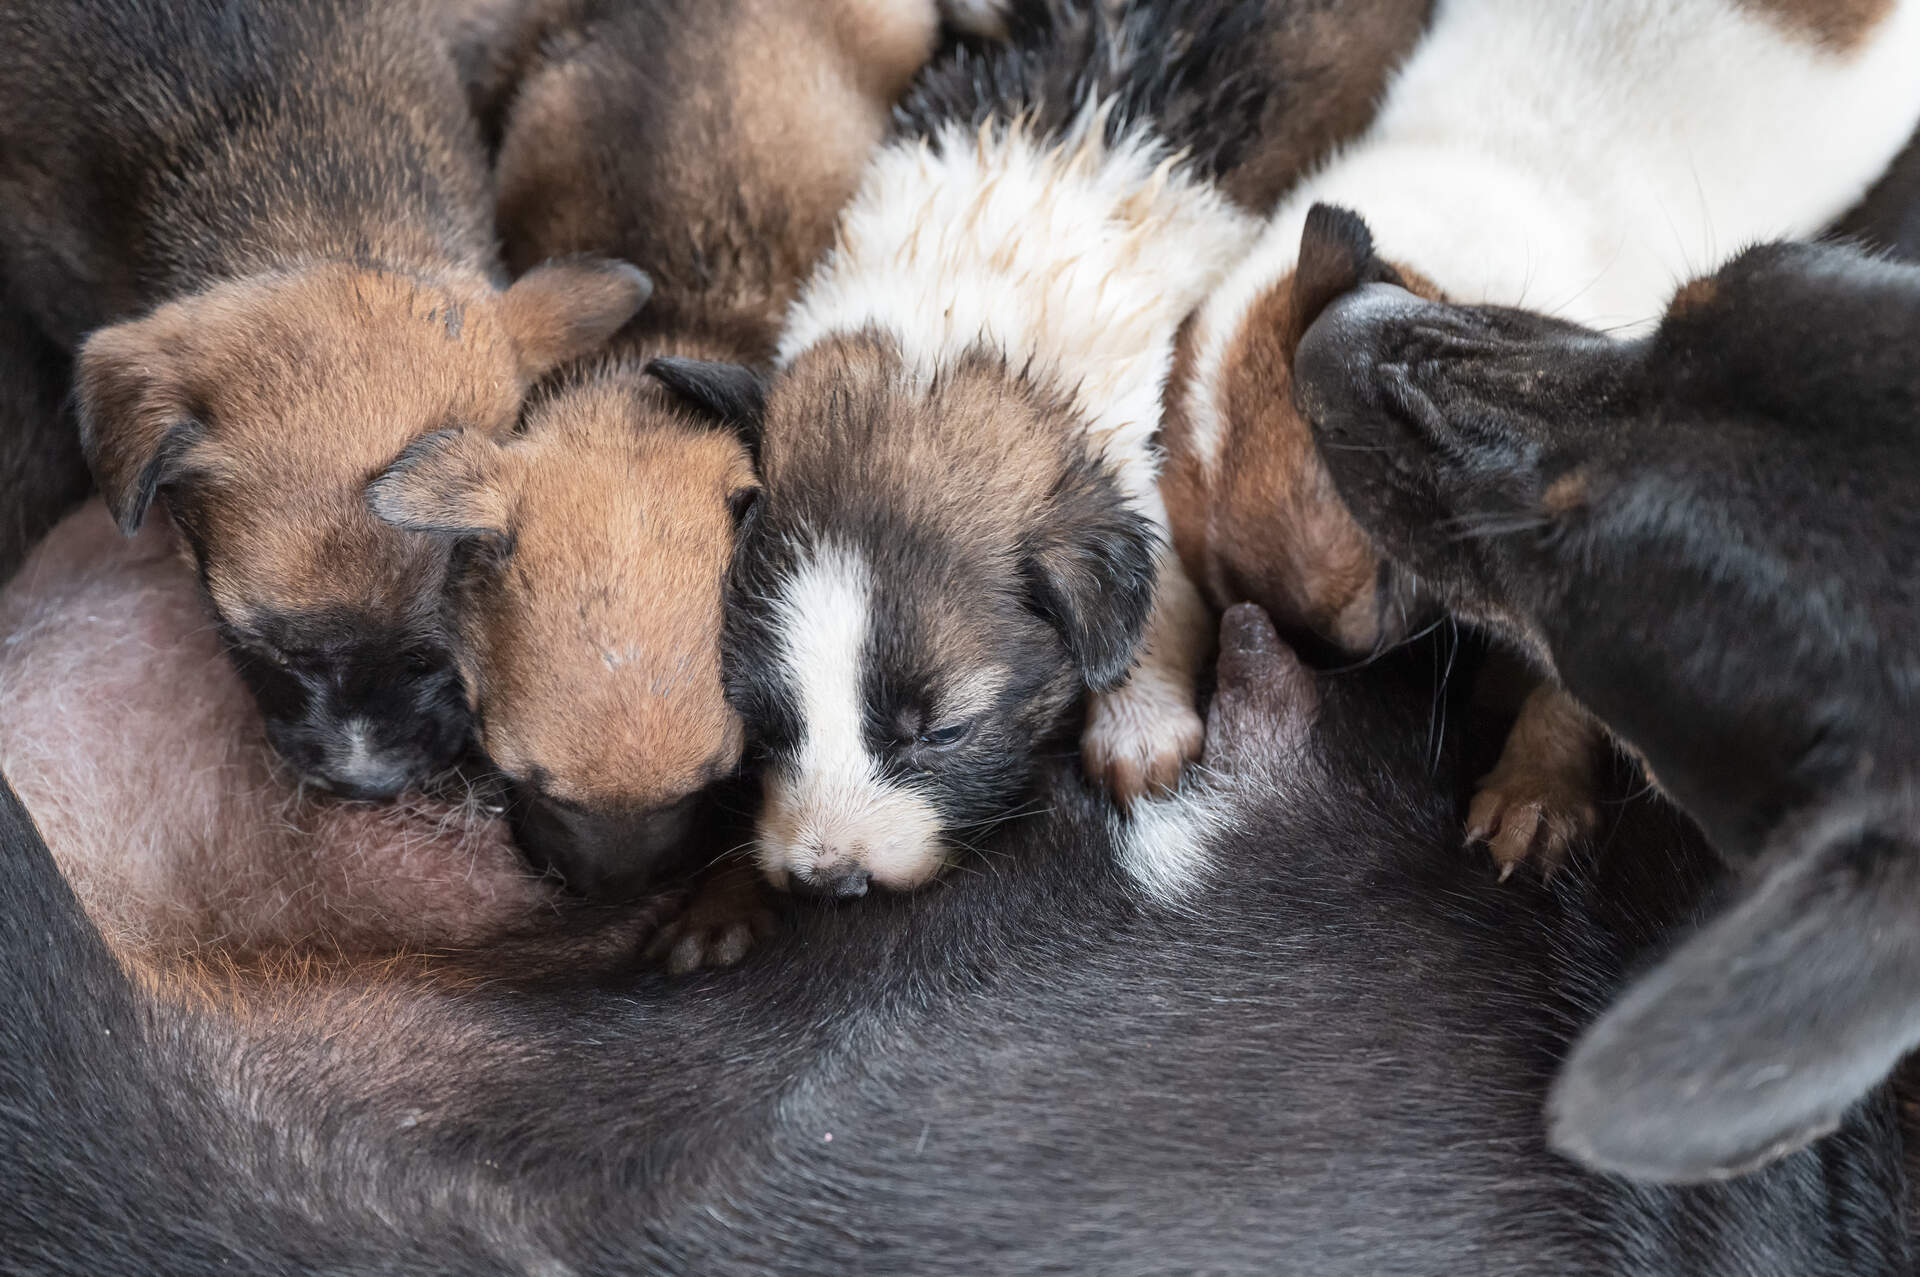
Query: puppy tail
column 1757, row 1036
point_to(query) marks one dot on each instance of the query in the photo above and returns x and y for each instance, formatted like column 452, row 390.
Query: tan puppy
column 267, row 232
column 714, row 143
column 1579, row 158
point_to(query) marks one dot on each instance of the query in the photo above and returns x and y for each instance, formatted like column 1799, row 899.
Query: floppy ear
column 1336, row 257
column 1757, row 1035
column 571, row 307
column 446, row 484
column 1090, row 569
column 733, row 394
column 135, row 407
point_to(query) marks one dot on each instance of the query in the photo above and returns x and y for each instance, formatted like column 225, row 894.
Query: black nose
column 606, row 853
column 836, row 882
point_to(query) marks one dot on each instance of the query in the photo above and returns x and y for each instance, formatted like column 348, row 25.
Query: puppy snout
column 601, row 852
column 838, row 881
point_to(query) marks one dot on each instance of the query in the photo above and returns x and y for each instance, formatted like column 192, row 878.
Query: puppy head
column 1693, row 528
column 591, row 553
column 938, row 573
column 259, row 410
column 1255, row 514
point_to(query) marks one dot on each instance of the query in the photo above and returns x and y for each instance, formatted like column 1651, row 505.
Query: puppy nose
column 832, row 882
column 373, row 784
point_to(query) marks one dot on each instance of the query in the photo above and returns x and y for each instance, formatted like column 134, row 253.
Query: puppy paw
column 728, row 913
column 1140, row 736
column 1538, row 800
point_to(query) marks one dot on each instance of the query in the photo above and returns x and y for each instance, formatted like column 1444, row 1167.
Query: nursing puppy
column 1707, row 535
column 1575, row 158
column 961, row 535
column 139, row 752
column 714, row 144
column 1331, row 1062
column 265, row 231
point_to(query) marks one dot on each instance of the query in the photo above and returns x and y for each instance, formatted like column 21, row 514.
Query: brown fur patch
column 595, row 647
column 1263, row 524
column 1694, row 295
column 1840, row 25
column 1333, row 62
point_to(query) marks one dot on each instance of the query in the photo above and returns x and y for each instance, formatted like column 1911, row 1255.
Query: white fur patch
column 1166, row 846
column 1584, row 157
column 830, row 807
column 1075, row 260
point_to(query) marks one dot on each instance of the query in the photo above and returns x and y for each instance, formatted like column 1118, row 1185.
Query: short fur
column 1706, row 535
column 265, row 233
column 1333, row 1068
column 1579, row 158
column 41, row 467
column 712, row 143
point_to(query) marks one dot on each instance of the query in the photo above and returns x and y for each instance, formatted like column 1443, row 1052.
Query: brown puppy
column 714, row 143
column 266, row 230
column 1575, row 158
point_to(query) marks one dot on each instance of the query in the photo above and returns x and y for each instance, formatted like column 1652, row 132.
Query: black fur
column 1709, row 535
column 1330, row 1061
column 41, row 468
column 732, row 394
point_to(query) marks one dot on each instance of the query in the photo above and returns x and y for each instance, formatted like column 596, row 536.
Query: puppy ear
column 446, row 484
column 1090, row 570
column 1757, row 1035
column 733, row 394
column 571, row 307
column 134, row 402
column 1336, row 257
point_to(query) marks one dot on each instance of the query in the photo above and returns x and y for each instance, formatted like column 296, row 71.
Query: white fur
column 1075, row 260
column 977, row 17
column 1166, row 845
column 831, row 806
column 1584, row 157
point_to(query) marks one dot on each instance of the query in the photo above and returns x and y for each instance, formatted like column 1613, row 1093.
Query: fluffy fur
column 1028, row 227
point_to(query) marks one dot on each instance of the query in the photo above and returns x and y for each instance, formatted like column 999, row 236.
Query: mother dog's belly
column 144, row 763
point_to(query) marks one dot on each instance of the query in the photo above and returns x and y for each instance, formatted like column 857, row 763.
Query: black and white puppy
column 962, row 534
column 1708, row 535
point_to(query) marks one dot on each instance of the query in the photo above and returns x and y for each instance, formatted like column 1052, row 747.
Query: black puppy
column 1709, row 535
column 1329, row 1060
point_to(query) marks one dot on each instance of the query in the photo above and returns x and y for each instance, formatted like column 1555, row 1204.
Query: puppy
column 961, row 534
column 40, row 462
column 1333, row 1069
column 1577, row 158
column 138, row 750
column 1706, row 535
column 714, row 143
column 266, row 233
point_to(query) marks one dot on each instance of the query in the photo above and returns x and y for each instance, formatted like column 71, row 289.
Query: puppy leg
column 1141, row 734
column 729, row 911
column 1539, row 797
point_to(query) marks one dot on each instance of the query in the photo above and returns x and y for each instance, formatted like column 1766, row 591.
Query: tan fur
column 1840, row 25
column 1539, row 797
column 1263, row 523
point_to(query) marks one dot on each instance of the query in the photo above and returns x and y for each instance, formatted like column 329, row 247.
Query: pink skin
column 145, row 765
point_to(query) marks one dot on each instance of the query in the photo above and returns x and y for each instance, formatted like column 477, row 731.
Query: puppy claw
column 1530, row 815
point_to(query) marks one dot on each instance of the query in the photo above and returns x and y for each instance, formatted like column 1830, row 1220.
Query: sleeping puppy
column 713, row 143
column 265, row 231
column 1707, row 535
column 962, row 537
column 1577, row 158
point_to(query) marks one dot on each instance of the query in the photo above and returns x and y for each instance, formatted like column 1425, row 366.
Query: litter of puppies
column 1031, row 531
